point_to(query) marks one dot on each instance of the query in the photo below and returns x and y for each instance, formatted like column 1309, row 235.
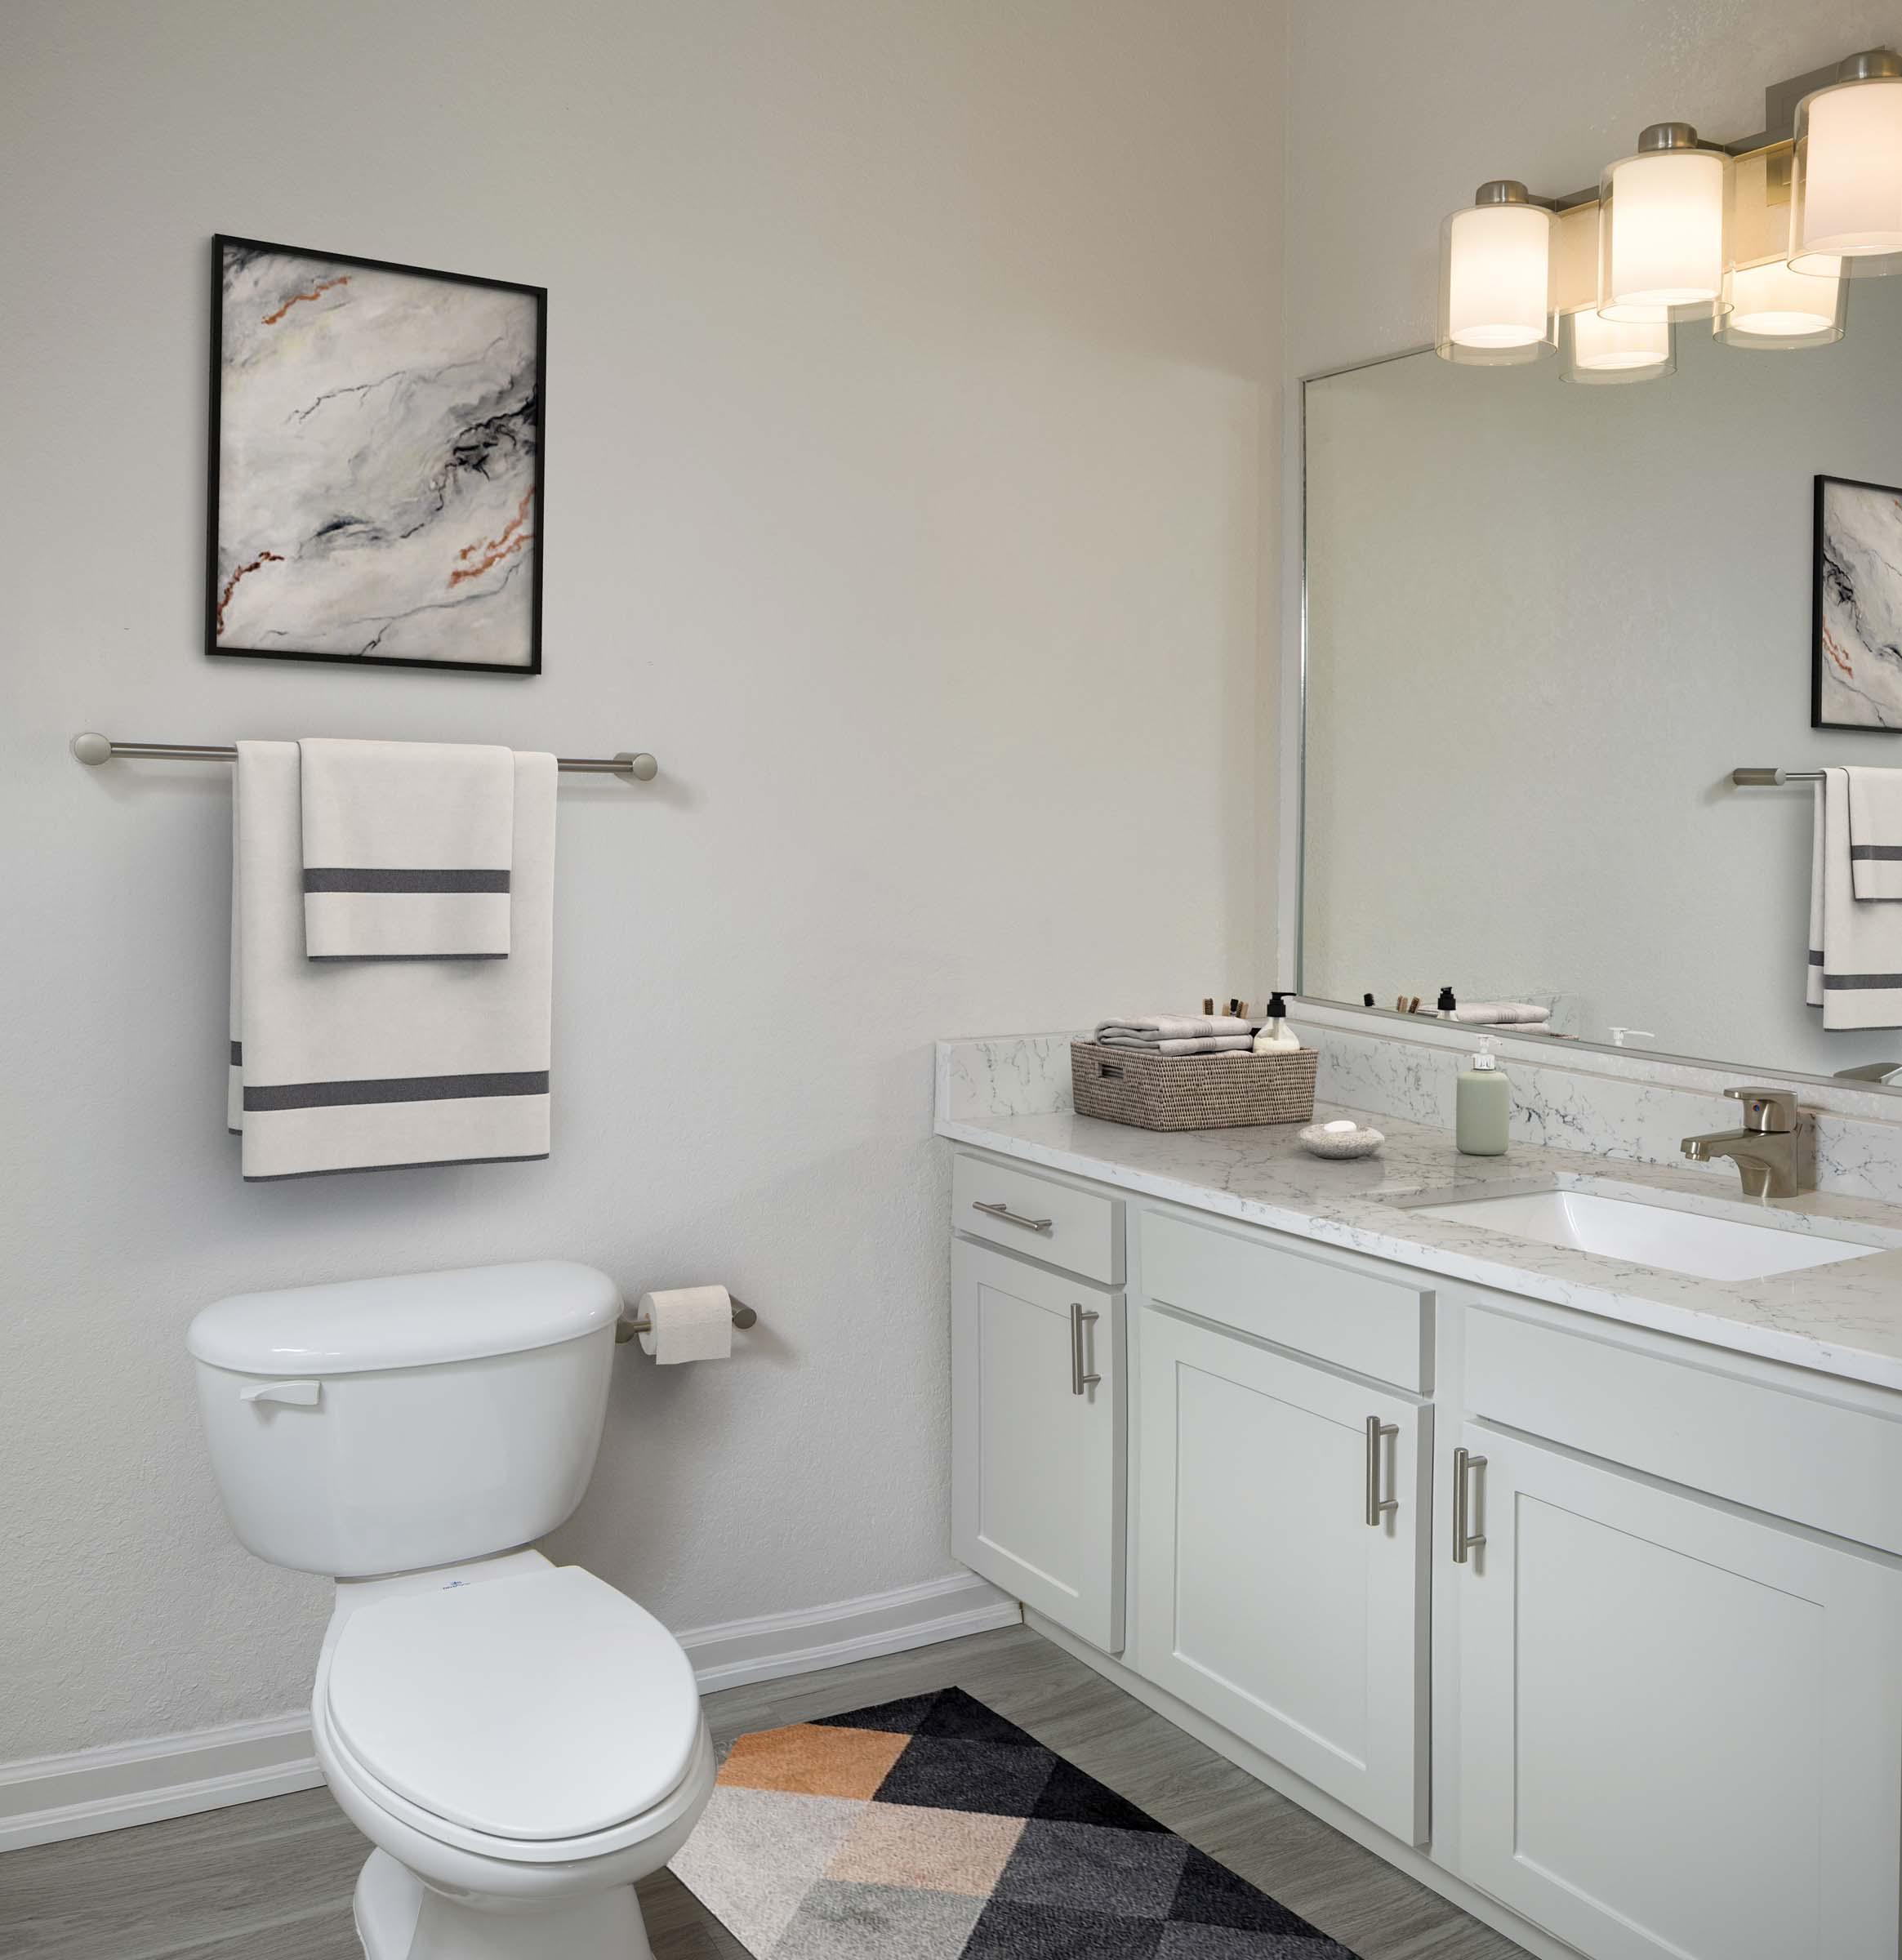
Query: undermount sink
column 1645, row 1231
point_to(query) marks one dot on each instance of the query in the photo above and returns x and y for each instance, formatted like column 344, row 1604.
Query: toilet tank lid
column 407, row 1320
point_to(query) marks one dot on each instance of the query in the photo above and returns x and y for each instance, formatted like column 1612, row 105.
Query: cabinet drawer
column 1820, row 1463
column 1336, row 1311
column 1080, row 1230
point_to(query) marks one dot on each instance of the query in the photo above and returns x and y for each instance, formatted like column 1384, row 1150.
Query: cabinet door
column 1265, row 1596
column 1037, row 1437
column 1680, row 1724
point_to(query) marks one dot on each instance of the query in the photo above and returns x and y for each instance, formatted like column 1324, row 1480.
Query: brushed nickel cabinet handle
column 1378, row 1506
column 1464, row 1538
column 1080, row 1316
column 1009, row 1217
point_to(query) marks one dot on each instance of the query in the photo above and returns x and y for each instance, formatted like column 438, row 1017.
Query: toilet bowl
column 519, row 1741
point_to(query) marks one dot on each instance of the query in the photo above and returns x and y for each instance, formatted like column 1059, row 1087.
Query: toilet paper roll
column 689, row 1324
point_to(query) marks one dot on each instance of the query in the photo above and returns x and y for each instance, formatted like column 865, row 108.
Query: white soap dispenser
column 1275, row 1035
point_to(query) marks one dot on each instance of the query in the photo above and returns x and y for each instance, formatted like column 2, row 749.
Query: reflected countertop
column 1844, row 1319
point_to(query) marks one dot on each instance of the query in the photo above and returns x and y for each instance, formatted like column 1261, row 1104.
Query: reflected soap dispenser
column 1483, row 1105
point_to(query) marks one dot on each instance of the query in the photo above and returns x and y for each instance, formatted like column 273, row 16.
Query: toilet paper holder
column 624, row 1329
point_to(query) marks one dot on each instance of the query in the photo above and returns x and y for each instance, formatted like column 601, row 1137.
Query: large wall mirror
column 1544, row 622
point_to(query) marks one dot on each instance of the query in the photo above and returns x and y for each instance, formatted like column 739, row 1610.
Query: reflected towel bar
column 1768, row 779
column 93, row 748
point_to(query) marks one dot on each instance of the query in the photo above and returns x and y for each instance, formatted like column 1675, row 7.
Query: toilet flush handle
column 305, row 1394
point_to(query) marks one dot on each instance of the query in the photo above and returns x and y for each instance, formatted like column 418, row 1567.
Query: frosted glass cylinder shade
column 1846, row 195
column 1773, row 306
column 1662, row 219
column 1495, row 281
column 1595, row 350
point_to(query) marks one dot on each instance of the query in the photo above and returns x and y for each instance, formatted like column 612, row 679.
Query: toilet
column 519, row 1741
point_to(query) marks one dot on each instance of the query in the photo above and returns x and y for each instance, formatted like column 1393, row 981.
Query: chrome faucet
column 1766, row 1150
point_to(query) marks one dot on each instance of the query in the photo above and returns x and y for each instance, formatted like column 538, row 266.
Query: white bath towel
column 359, row 1065
column 1147, row 1029
column 1856, row 945
column 1875, row 832
column 406, row 849
column 1183, row 1044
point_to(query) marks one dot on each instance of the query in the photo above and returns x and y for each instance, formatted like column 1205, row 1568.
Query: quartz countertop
column 1845, row 1319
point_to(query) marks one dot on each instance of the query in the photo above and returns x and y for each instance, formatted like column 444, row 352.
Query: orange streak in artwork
column 323, row 286
column 264, row 557
column 1836, row 653
column 494, row 549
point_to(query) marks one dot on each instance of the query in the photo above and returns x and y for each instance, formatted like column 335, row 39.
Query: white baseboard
column 51, row 1797
column 774, row 1644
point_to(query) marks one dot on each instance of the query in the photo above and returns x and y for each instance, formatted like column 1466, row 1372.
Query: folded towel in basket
column 407, row 848
column 1187, row 1045
column 1149, row 1029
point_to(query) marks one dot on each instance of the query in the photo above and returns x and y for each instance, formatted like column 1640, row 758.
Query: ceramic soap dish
column 1341, row 1138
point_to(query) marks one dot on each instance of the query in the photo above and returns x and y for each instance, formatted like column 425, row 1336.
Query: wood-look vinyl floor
column 271, row 1880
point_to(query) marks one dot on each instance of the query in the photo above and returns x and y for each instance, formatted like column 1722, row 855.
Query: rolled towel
column 1147, row 1029
column 1501, row 1013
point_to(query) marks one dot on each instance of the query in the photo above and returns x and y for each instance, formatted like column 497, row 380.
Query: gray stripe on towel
column 1865, row 982
column 1887, row 852
column 237, row 1054
column 396, row 1089
column 333, row 878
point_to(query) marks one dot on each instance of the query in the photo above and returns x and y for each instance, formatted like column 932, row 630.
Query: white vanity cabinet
column 1038, row 1409
column 1283, row 1583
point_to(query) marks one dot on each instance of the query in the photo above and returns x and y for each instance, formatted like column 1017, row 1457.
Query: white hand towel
column 1187, row 1045
column 406, row 850
column 360, row 1064
column 1875, row 832
column 1855, row 948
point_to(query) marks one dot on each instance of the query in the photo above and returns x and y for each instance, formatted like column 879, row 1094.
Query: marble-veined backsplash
column 1632, row 1109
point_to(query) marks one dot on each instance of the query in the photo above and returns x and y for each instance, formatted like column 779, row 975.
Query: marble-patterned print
column 1858, row 654
column 377, row 472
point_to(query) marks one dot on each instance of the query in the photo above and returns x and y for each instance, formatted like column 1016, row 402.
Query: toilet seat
column 541, row 1717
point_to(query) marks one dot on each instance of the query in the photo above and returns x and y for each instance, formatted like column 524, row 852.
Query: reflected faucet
column 1764, row 1150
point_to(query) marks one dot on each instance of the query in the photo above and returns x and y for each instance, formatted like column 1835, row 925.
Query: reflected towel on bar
column 368, row 1065
column 1875, row 832
column 1855, row 948
column 406, row 849
column 1502, row 1014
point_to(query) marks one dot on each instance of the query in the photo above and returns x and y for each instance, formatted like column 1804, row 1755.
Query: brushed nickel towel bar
column 92, row 749
column 625, row 1330
column 1768, row 779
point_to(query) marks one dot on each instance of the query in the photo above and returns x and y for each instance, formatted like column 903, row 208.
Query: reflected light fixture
column 1663, row 219
column 1775, row 306
column 1846, row 191
column 1495, row 279
column 1595, row 350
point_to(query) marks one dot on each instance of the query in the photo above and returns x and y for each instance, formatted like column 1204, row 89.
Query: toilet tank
column 380, row 1426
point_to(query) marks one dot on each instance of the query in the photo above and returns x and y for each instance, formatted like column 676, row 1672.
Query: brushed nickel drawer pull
column 1010, row 1217
column 1464, row 1538
column 1080, row 1316
column 1378, row 1506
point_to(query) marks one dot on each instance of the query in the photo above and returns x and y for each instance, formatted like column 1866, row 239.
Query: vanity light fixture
column 1846, row 191
column 1594, row 349
column 1775, row 306
column 1495, row 279
column 1664, row 222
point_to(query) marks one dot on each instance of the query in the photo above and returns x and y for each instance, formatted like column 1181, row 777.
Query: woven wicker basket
column 1192, row 1091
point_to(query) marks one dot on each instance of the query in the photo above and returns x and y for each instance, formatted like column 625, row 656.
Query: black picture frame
column 535, row 420
column 1818, row 633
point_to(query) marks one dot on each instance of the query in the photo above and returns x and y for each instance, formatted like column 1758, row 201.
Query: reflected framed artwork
column 376, row 462
column 1856, row 674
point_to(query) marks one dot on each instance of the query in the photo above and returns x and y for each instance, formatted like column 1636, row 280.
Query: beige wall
column 912, row 372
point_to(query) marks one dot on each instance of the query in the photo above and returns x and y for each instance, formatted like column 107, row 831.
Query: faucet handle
column 1770, row 1112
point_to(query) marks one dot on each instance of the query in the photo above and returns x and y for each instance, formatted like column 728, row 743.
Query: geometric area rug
column 931, row 1828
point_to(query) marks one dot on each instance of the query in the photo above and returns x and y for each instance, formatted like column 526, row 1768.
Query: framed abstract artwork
column 1855, row 675
column 376, row 486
